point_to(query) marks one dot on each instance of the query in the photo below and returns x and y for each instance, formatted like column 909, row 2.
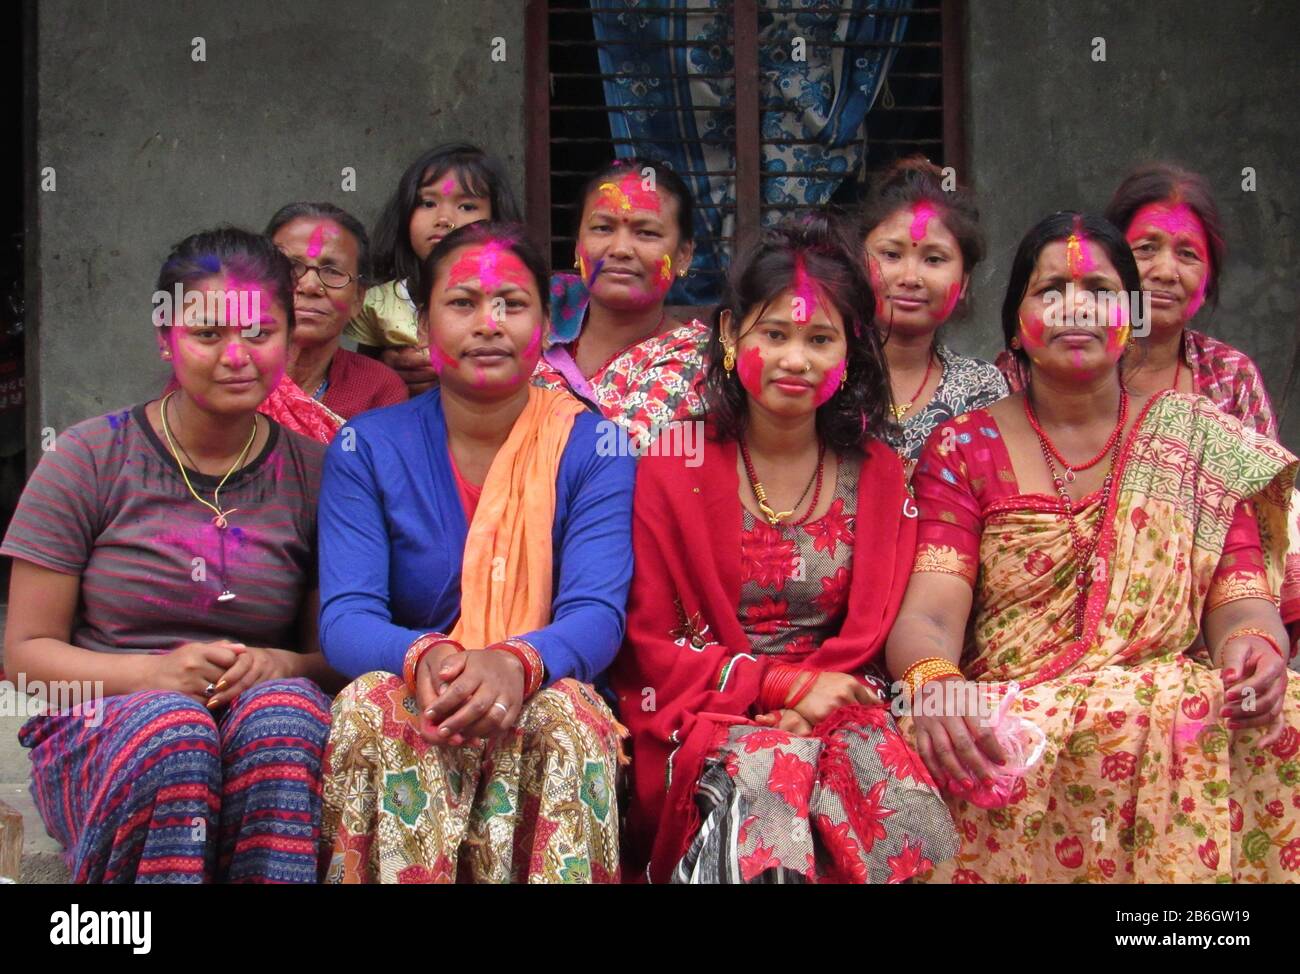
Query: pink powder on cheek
column 877, row 286
column 950, row 302
column 440, row 360
column 830, row 383
column 750, row 370
column 922, row 214
column 1198, row 298
column 1032, row 332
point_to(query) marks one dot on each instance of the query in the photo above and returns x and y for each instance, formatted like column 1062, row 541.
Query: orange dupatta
column 505, row 586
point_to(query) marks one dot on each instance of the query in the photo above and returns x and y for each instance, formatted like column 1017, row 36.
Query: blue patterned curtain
column 824, row 98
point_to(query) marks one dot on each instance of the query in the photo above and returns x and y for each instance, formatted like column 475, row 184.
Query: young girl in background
column 447, row 187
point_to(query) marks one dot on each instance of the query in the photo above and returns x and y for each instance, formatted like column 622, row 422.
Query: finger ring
column 210, row 689
column 504, row 708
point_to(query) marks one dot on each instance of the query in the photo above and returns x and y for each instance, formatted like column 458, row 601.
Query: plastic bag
column 1022, row 742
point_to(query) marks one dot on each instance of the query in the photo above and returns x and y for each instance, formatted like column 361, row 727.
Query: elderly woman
column 166, row 552
column 475, row 559
column 329, row 252
column 1092, row 532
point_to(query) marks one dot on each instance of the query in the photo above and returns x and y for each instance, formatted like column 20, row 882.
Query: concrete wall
column 1212, row 83
column 149, row 146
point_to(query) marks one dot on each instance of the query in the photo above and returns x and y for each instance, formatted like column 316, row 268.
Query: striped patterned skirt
column 149, row 787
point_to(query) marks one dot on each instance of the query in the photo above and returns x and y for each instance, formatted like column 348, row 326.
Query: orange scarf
column 505, row 581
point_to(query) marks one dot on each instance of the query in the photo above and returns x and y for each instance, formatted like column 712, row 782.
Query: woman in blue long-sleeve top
column 475, row 556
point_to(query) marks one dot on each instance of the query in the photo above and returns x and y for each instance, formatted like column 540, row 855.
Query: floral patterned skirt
column 538, row 806
column 852, row 803
column 1140, row 782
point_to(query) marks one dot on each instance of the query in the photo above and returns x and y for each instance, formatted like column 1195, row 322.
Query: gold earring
column 844, row 377
column 681, row 273
column 729, row 358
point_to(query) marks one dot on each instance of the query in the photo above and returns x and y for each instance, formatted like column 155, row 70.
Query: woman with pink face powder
column 767, row 577
column 921, row 242
column 1170, row 219
column 164, row 559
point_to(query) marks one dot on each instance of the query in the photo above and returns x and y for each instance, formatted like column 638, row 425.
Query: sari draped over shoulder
column 537, row 806
column 716, row 797
column 1141, row 781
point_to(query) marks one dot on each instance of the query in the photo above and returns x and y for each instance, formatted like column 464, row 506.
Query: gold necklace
column 219, row 516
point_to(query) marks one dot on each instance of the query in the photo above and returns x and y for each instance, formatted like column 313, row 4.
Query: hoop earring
column 729, row 359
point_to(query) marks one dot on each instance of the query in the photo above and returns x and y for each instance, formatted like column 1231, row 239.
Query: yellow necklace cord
column 219, row 518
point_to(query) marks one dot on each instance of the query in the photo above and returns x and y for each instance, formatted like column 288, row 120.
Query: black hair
column 860, row 407
column 1048, row 230
column 512, row 235
column 481, row 174
column 327, row 211
column 916, row 180
column 229, row 250
column 1159, row 182
column 665, row 179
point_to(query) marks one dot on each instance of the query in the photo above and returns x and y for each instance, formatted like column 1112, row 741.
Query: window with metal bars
column 711, row 87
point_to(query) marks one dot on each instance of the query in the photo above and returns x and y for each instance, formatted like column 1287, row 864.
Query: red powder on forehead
column 1175, row 219
column 1078, row 255
column 316, row 241
column 492, row 265
column 627, row 195
column 805, row 292
column 922, row 214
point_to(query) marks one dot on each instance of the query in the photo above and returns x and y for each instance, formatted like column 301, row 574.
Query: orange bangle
column 1263, row 634
column 416, row 653
column 925, row 670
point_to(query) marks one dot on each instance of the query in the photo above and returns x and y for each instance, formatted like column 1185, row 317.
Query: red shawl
column 686, row 540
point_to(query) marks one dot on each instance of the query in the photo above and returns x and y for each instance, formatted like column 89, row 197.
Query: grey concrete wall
column 149, row 146
column 1210, row 83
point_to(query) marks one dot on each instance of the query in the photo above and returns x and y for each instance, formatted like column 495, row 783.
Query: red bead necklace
column 1084, row 549
column 775, row 518
column 1048, row 445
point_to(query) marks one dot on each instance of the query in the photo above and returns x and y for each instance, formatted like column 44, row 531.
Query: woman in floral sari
column 1094, row 532
column 768, row 572
column 475, row 557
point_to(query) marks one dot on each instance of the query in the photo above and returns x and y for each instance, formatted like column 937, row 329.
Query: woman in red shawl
column 768, row 572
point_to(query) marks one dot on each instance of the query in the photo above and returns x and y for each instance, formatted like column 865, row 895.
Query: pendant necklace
column 219, row 516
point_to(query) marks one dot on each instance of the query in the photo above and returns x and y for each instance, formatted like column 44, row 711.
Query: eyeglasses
column 330, row 276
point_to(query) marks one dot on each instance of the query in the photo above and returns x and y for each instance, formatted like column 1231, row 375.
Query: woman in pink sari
column 1094, row 533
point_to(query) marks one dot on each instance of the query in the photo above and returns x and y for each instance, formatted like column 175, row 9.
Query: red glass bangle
column 530, row 659
column 416, row 653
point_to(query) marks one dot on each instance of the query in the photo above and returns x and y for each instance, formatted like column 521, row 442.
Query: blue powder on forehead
column 210, row 263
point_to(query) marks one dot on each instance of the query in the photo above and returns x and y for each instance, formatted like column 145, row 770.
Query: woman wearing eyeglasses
column 330, row 253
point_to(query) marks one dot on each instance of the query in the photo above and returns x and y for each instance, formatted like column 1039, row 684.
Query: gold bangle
column 925, row 670
column 1263, row 634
